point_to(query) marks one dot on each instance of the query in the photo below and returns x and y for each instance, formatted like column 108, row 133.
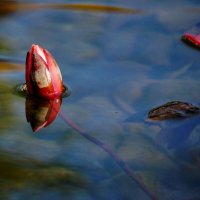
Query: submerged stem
column 115, row 156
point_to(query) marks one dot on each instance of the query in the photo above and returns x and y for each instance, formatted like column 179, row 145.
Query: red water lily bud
column 43, row 77
column 192, row 39
column 192, row 36
column 41, row 112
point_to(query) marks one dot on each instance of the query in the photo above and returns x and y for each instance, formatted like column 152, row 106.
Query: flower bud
column 192, row 36
column 43, row 77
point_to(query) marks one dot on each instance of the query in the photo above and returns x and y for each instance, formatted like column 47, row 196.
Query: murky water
column 120, row 59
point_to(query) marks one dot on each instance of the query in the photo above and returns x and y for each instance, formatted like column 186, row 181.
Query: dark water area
column 119, row 59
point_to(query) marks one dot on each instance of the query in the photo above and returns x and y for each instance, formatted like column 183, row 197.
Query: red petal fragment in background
column 192, row 36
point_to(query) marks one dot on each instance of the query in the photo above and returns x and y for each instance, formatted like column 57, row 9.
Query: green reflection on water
column 6, row 112
column 4, row 47
column 32, row 175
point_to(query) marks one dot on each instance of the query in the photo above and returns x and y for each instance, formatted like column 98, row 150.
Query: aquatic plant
column 43, row 76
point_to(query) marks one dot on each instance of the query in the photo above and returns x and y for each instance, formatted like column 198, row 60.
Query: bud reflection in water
column 41, row 112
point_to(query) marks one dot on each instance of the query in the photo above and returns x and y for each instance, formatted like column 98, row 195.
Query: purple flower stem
column 107, row 149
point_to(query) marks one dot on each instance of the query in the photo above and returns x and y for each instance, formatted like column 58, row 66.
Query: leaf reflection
column 176, row 134
column 9, row 66
column 93, row 8
column 7, row 7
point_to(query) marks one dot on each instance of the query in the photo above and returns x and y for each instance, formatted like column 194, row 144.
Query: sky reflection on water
column 118, row 66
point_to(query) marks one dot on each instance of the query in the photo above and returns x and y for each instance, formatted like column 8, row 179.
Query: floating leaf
column 173, row 109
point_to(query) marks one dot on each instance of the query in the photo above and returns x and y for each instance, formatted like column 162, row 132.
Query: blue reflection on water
column 118, row 66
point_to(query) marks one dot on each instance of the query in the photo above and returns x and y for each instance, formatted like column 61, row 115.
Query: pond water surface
column 120, row 59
